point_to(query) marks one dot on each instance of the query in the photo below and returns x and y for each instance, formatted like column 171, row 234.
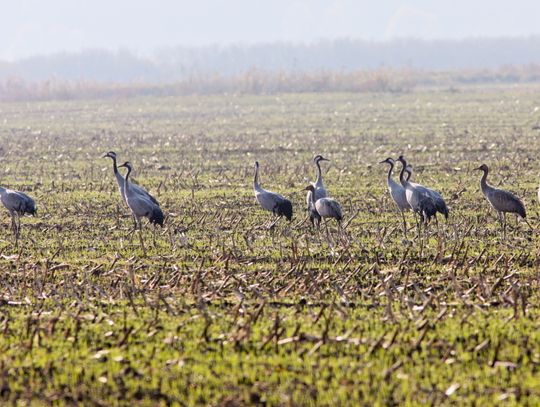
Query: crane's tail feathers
column 284, row 208
column 157, row 217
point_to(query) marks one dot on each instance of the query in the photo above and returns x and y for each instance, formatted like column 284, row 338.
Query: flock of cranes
column 424, row 202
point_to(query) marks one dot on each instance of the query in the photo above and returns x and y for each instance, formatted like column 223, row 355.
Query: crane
column 419, row 199
column 141, row 205
column 440, row 204
column 120, row 181
column 327, row 208
column 500, row 200
column 18, row 204
column 320, row 191
column 270, row 201
column 397, row 192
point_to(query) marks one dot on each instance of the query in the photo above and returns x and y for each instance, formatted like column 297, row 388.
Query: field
column 219, row 310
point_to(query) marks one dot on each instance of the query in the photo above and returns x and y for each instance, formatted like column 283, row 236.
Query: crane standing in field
column 397, row 192
column 121, row 182
column 141, row 205
column 500, row 200
column 319, row 191
column 270, row 201
column 18, row 204
column 440, row 204
column 327, row 208
column 418, row 198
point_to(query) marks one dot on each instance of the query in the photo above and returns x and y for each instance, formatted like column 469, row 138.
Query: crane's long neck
column 126, row 182
column 114, row 166
column 483, row 181
column 401, row 174
column 256, row 185
column 319, row 180
column 390, row 170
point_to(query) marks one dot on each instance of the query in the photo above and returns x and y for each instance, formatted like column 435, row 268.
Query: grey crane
column 140, row 205
column 440, row 204
column 397, row 192
column 271, row 201
column 18, row 204
column 420, row 201
column 500, row 200
column 320, row 191
column 327, row 208
column 120, row 181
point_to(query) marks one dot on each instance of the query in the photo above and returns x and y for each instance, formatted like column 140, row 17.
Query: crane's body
column 502, row 201
column 271, row 201
column 318, row 192
column 18, row 204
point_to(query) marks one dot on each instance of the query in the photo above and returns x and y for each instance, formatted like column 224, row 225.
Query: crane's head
column 110, row 154
column 319, row 158
column 127, row 164
column 309, row 188
column 483, row 167
column 256, row 164
column 389, row 160
column 402, row 160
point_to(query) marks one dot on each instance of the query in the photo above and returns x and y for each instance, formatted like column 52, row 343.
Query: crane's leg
column 139, row 224
column 504, row 224
column 404, row 224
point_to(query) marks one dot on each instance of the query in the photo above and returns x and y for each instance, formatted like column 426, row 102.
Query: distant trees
column 341, row 65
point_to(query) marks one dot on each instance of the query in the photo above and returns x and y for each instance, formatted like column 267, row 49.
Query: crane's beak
column 383, row 162
column 324, row 159
column 105, row 156
column 477, row 169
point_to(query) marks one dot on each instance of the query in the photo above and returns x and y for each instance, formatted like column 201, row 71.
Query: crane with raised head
column 502, row 201
column 271, row 201
column 320, row 191
column 419, row 199
column 140, row 205
column 397, row 192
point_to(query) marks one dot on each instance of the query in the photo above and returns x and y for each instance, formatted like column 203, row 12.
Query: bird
column 120, row 181
column 500, row 200
column 420, row 201
column 18, row 204
column 327, row 208
column 140, row 205
column 320, row 191
column 271, row 201
column 440, row 204
column 397, row 192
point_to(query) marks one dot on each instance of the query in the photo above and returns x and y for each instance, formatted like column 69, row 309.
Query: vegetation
column 222, row 311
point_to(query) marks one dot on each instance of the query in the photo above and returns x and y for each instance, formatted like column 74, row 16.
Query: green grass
column 221, row 311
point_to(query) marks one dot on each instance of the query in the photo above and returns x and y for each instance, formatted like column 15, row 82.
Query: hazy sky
column 29, row 27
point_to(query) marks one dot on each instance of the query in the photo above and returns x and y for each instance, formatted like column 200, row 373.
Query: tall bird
column 271, row 201
column 418, row 198
column 502, row 201
column 440, row 204
column 397, row 192
column 120, row 181
column 140, row 205
column 327, row 208
column 320, row 191
column 18, row 204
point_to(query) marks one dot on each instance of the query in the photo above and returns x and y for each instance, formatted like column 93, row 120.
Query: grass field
column 220, row 310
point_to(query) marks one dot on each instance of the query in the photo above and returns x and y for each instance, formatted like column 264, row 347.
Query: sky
column 40, row 27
